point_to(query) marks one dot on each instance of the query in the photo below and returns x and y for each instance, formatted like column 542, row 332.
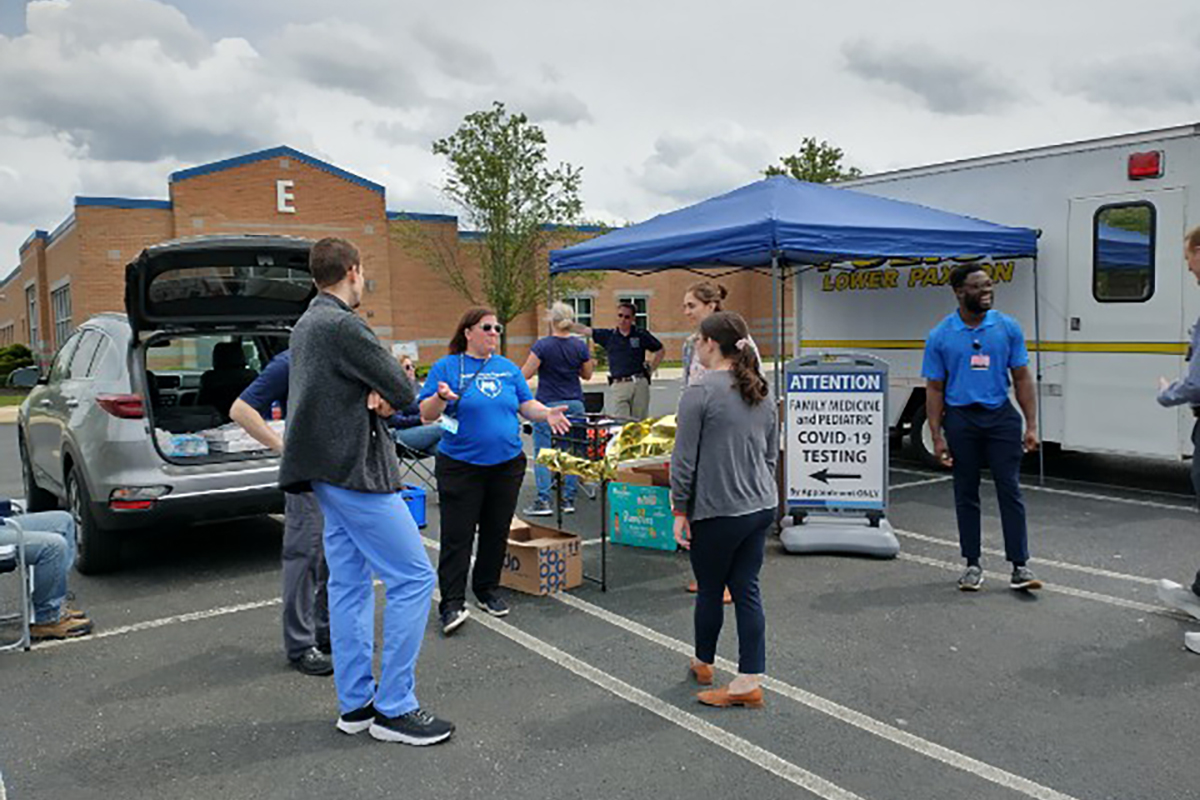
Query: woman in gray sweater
column 724, row 495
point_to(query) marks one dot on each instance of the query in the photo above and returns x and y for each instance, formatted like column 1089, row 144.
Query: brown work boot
column 65, row 628
column 69, row 612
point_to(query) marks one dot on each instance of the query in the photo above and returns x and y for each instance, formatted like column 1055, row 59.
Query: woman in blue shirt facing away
column 559, row 360
column 475, row 395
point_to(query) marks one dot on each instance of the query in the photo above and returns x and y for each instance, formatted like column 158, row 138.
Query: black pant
column 979, row 436
column 1196, row 482
column 473, row 497
column 728, row 551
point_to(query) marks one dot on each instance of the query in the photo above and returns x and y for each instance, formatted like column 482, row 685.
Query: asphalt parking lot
column 885, row 681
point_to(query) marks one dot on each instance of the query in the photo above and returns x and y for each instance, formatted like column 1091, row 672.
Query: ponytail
column 732, row 336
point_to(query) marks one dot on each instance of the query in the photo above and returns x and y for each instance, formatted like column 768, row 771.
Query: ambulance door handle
column 1075, row 324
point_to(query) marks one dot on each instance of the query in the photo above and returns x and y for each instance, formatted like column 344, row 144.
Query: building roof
column 283, row 151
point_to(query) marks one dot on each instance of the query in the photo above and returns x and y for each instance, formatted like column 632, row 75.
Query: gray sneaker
column 971, row 580
column 540, row 508
column 1023, row 578
column 1178, row 597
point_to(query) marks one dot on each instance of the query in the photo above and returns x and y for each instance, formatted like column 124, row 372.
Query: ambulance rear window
column 1123, row 253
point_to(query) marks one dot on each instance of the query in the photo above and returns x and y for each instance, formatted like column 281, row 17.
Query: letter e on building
column 284, row 197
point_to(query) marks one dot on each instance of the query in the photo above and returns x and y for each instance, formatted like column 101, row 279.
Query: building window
column 582, row 306
column 1123, row 253
column 641, row 312
column 60, row 304
column 31, row 323
column 8, row 335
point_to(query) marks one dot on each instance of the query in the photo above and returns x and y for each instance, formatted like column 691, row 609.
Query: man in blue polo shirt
column 628, row 370
column 305, row 596
column 969, row 357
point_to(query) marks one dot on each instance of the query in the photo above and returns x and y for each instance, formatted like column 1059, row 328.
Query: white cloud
column 690, row 167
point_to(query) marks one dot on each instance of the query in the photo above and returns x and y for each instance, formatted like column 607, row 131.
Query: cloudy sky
column 661, row 103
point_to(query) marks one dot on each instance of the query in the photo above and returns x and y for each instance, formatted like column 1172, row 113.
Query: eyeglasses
column 488, row 327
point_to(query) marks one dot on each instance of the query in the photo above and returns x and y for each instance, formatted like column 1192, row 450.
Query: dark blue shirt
column 974, row 362
column 558, row 374
column 490, row 392
column 626, row 354
column 270, row 386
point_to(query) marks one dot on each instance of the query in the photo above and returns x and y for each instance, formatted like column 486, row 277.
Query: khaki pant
column 630, row 399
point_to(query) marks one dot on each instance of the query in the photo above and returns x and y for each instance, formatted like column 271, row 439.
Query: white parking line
column 722, row 738
column 192, row 616
column 1103, row 573
column 926, row 482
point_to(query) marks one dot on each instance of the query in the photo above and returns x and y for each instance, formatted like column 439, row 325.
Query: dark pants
column 305, row 576
column 985, row 437
column 473, row 497
column 728, row 551
column 1196, row 482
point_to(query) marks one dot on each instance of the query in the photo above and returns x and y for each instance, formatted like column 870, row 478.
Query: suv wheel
column 98, row 550
column 922, row 440
column 36, row 498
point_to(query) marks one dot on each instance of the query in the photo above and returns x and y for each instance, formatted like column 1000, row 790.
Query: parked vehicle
column 129, row 427
column 1113, row 307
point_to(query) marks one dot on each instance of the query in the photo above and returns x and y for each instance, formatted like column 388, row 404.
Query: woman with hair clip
column 724, row 495
column 475, row 395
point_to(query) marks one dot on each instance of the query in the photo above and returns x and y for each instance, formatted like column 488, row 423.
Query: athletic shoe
column 568, row 506
column 313, row 662
column 540, row 508
column 358, row 720
column 1179, row 598
column 452, row 618
column 417, row 727
column 1192, row 642
column 494, row 606
column 1023, row 578
column 971, row 580
column 65, row 628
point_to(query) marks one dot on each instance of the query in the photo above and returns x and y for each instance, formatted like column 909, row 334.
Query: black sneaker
column 314, row 662
column 452, row 618
column 971, row 580
column 357, row 721
column 540, row 508
column 1023, row 578
column 494, row 606
column 568, row 506
column 417, row 727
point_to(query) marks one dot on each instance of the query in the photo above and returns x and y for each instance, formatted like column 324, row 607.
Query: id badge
column 980, row 362
column 448, row 424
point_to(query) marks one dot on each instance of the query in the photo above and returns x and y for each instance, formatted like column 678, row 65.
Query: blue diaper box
column 641, row 516
column 414, row 498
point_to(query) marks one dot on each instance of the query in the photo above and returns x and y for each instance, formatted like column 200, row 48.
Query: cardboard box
column 632, row 477
column 660, row 474
column 641, row 516
column 540, row 560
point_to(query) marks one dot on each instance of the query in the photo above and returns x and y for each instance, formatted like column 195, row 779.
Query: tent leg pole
column 1037, row 361
column 776, row 321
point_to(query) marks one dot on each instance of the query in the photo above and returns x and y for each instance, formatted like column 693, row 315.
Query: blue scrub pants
column 374, row 533
column 980, row 437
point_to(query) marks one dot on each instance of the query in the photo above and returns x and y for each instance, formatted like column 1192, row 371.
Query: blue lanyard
column 462, row 381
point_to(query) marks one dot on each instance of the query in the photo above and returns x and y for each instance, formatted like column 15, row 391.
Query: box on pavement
column 541, row 560
column 641, row 516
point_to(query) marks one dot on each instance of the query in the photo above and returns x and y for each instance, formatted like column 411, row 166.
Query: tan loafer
column 694, row 587
column 703, row 673
column 723, row 698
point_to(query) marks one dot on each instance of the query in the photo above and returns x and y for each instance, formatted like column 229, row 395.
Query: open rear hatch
column 213, row 282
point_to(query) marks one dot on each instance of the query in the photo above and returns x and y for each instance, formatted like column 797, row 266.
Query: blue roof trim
column 61, row 229
column 121, row 202
column 275, row 152
column 15, row 272
column 412, row 216
column 37, row 234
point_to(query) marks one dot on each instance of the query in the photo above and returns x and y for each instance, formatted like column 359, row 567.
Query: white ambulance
column 1116, row 301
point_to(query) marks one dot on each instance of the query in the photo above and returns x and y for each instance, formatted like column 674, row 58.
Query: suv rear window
column 190, row 291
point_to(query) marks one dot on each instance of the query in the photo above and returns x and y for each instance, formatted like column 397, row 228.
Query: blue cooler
column 414, row 498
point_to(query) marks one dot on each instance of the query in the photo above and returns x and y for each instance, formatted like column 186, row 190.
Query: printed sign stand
column 836, row 456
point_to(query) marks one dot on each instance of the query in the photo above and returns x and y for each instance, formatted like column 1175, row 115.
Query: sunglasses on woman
column 488, row 327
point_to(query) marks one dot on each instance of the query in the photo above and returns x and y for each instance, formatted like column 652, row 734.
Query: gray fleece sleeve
column 688, row 422
column 366, row 360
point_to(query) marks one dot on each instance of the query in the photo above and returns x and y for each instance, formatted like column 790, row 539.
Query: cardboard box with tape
column 541, row 560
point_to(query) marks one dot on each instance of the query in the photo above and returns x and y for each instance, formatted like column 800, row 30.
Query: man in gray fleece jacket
column 343, row 385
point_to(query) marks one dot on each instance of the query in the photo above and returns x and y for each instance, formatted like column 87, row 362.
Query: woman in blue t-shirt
column 559, row 360
column 475, row 395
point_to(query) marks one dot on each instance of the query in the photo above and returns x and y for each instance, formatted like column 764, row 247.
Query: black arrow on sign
column 825, row 476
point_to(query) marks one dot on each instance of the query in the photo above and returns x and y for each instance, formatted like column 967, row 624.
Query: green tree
column 497, row 173
column 815, row 162
column 13, row 357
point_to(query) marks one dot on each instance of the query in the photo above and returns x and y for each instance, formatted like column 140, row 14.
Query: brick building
column 77, row 270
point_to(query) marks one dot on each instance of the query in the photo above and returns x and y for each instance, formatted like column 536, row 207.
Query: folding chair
column 12, row 559
column 412, row 462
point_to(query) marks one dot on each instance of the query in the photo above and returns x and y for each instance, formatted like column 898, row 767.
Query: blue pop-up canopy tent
column 1117, row 248
column 780, row 223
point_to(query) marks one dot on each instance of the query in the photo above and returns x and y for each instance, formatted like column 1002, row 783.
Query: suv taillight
column 125, row 406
